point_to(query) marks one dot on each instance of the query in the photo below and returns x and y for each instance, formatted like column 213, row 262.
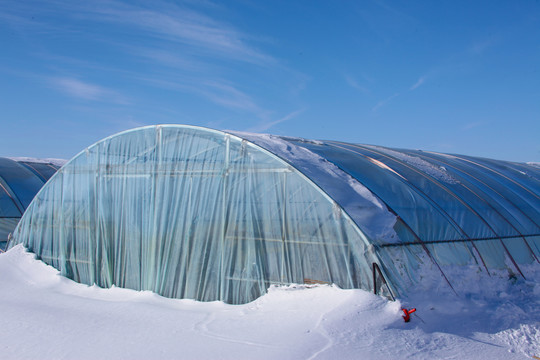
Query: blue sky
column 451, row 76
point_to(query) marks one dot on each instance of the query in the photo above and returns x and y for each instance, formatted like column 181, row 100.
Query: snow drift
column 47, row 316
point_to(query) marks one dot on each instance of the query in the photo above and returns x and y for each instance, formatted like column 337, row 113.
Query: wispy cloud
column 479, row 47
column 473, row 125
column 217, row 91
column 86, row 91
column 384, row 102
column 418, row 83
column 421, row 81
column 354, row 84
column 228, row 96
column 186, row 47
column 14, row 19
column 125, row 123
column 269, row 124
column 182, row 25
column 165, row 21
column 167, row 58
column 453, row 62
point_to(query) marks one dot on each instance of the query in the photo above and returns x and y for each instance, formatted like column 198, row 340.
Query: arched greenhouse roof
column 20, row 180
column 190, row 212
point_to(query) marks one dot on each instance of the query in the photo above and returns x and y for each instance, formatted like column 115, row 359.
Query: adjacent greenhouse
column 196, row 213
column 20, row 180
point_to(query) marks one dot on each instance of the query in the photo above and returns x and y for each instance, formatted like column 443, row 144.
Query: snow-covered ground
column 46, row 316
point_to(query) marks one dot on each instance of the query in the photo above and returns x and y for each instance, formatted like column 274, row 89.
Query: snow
column 366, row 210
column 56, row 162
column 438, row 172
column 287, row 150
column 47, row 316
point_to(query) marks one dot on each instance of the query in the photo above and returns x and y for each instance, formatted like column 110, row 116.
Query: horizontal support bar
column 67, row 260
column 458, row 240
column 255, row 280
column 131, row 172
column 285, row 241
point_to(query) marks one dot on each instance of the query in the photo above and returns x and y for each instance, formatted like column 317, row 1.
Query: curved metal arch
column 457, row 170
column 500, row 174
column 504, row 218
column 451, row 193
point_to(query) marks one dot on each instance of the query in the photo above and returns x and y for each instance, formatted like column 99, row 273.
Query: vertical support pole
column 377, row 269
column 374, row 279
column 188, row 225
column 225, row 175
column 97, row 235
column 10, row 236
column 91, row 212
column 156, row 242
column 62, row 246
column 283, row 226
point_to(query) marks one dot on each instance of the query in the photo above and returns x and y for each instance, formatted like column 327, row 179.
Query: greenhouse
column 190, row 212
column 20, row 180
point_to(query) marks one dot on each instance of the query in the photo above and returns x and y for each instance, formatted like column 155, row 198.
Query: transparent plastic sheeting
column 458, row 210
column 192, row 213
column 19, row 183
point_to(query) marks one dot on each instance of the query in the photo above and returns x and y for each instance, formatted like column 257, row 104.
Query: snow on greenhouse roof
column 359, row 202
column 393, row 180
column 53, row 161
column 438, row 172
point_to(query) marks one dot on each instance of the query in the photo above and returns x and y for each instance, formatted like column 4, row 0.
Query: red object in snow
column 407, row 316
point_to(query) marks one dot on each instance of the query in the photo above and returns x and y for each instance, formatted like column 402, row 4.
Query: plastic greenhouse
column 189, row 212
column 20, row 180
